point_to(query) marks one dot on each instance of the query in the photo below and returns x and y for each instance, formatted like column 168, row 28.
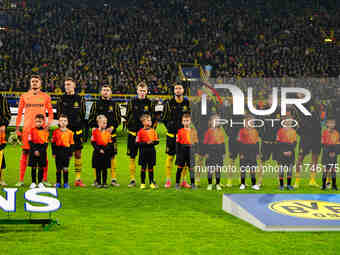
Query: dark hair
column 63, row 116
column 186, row 116
column 40, row 116
column 35, row 76
column 178, row 84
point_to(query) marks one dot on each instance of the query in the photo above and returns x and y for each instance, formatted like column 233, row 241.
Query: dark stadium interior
column 124, row 42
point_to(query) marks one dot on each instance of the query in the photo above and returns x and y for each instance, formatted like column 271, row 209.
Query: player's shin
column 113, row 169
column 132, row 167
column 168, row 166
column 65, row 176
column 58, row 176
column 77, row 168
column 23, row 165
column 45, row 169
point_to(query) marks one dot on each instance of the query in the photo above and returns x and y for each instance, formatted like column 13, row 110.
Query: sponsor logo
column 308, row 209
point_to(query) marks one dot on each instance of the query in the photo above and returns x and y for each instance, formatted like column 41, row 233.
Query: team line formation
column 195, row 140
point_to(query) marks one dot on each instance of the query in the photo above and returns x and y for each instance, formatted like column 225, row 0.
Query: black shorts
column 132, row 147
column 62, row 158
column 40, row 161
column 327, row 160
column 78, row 139
column 171, row 144
column 310, row 144
column 185, row 158
column 147, row 158
column 101, row 161
column 283, row 160
column 249, row 160
column 233, row 149
column 268, row 149
column 214, row 161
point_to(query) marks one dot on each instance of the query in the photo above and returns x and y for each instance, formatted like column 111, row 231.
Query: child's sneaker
column 46, row 184
column 41, row 185
column 334, row 187
column 177, row 186
column 282, row 188
column 184, row 184
column 290, row 187
column 218, row 187
column 79, row 183
column 58, row 185
column 94, row 184
column 210, row 187
column 19, row 184
column 66, row 186
column 153, row 186
column 105, row 186
column 132, row 184
column 142, row 186
column 255, row 187
column 33, row 185
column 99, row 186
column 114, row 183
column 242, row 187
column 167, row 184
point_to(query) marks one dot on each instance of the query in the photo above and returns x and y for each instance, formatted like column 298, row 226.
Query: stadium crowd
column 146, row 42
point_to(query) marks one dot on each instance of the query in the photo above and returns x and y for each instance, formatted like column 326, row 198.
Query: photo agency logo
column 290, row 97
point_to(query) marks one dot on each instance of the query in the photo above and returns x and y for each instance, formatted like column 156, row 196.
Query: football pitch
column 132, row 221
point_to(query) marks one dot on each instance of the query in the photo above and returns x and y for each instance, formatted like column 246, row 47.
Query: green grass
column 131, row 221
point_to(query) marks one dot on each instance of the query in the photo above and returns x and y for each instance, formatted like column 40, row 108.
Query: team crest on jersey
column 185, row 108
column 110, row 108
column 76, row 105
column 278, row 116
column 146, row 108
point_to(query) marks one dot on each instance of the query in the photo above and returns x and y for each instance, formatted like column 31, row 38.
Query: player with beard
column 110, row 109
column 174, row 109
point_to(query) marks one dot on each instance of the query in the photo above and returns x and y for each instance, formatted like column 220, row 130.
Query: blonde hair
column 101, row 117
column 144, row 117
column 142, row 85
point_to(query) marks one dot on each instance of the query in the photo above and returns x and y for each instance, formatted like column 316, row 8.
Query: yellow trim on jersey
column 132, row 133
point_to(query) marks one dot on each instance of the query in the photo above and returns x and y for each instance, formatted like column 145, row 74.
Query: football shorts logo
column 76, row 105
column 308, row 209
